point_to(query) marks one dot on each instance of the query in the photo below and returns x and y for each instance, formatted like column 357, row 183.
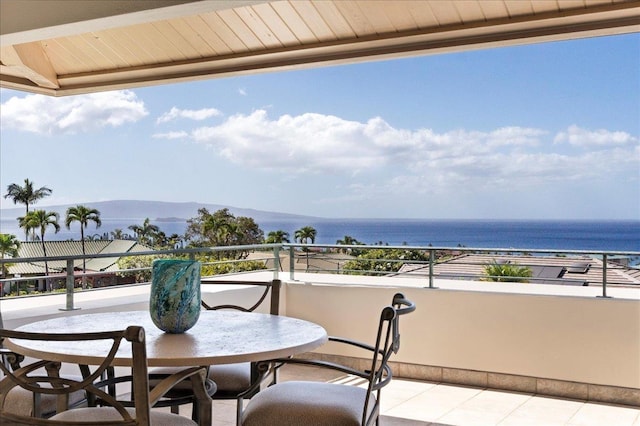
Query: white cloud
column 171, row 135
column 82, row 113
column 191, row 114
column 577, row 136
column 376, row 158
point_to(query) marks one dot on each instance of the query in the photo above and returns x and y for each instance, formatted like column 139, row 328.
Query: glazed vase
column 175, row 294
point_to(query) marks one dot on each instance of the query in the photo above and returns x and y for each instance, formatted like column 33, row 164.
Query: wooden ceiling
column 65, row 47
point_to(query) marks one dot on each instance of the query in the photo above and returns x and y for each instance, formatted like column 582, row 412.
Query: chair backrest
column 31, row 377
column 387, row 344
column 272, row 287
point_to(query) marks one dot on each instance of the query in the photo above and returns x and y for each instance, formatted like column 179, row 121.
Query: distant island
column 161, row 211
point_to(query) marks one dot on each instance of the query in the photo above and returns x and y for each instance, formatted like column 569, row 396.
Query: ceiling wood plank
column 518, row 8
column 494, row 9
column 104, row 49
column 174, row 41
column 470, row 11
column 208, row 35
column 197, row 44
column 445, row 12
column 376, row 14
column 152, row 39
column 276, row 24
column 314, row 20
column 258, row 27
column 240, row 28
column 297, row 25
column 226, row 34
column 400, row 16
column 133, row 41
column 123, row 51
column 422, row 14
column 83, row 60
column 62, row 60
column 349, row 12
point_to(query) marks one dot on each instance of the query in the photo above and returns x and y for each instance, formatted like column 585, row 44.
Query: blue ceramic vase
column 175, row 294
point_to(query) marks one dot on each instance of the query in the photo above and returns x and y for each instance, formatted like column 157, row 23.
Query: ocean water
column 560, row 235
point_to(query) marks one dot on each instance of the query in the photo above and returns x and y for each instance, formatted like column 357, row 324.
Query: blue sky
column 545, row 131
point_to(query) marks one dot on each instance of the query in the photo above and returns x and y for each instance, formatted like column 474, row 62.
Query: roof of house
column 66, row 47
column 73, row 248
column 569, row 270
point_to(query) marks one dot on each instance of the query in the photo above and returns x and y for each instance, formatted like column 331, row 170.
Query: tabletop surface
column 219, row 337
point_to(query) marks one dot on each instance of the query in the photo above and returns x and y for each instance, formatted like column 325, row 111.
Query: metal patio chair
column 112, row 411
column 297, row 403
column 233, row 381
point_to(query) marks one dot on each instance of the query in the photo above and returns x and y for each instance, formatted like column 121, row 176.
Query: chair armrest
column 10, row 358
column 352, row 343
column 197, row 375
column 318, row 363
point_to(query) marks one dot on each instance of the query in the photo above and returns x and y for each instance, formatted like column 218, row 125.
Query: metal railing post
column 70, row 281
column 604, row 276
column 431, row 260
column 292, row 264
column 276, row 262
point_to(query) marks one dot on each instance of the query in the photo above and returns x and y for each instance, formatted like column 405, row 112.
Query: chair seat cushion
column 107, row 414
column 20, row 401
column 231, row 377
column 309, row 404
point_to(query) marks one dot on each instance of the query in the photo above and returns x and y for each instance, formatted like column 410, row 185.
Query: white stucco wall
column 581, row 339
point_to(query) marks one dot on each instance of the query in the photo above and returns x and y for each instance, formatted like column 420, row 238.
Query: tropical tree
column 9, row 246
column 83, row 215
column 502, row 272
column 118, row 234
column 349, row 241
column 381, row 261
column 222, row 228
column 145, row 233
column 41, row 219
column 276, row 237
column 305, row 235
column 26, row 194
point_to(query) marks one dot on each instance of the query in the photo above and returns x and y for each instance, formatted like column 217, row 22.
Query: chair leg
column 239, row 406
column 175, row 409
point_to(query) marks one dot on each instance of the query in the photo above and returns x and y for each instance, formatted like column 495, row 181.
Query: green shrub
column 506, row 272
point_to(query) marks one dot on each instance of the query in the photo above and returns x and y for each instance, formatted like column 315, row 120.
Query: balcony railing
column 571, row 267
column 503, row 335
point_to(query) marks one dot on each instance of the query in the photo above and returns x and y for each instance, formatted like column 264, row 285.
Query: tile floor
column 417, row 403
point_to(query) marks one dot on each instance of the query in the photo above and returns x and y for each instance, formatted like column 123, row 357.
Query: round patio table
column 219, row 337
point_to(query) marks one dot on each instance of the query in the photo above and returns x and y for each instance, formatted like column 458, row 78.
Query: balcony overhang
column 67, row 47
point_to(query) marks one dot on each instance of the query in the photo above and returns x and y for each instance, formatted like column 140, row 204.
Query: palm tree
column 304, row 235
column 276, row 237
column 348, row 241
column 84, row 215
column 118, row 234
column 9, row 245
column 41, row 219
column 26, row 195
column 145, row 233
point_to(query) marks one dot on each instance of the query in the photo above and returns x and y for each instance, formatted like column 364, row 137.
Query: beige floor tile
column 467, row 417
column 433, row 403
column 399, row 391
column 601, row 414
column 487, row 408
column 543, row 411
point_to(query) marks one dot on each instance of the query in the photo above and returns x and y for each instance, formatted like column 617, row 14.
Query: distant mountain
column 156, row 210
